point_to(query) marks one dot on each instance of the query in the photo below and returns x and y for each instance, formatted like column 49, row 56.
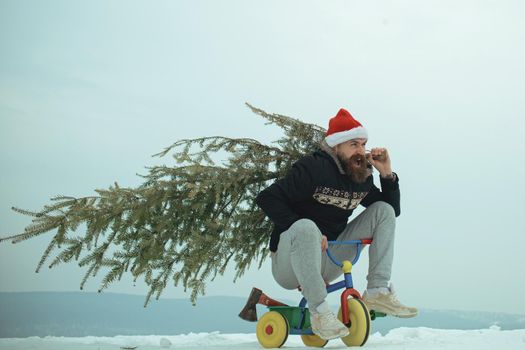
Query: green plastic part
column 374, row 314
column 294, row 314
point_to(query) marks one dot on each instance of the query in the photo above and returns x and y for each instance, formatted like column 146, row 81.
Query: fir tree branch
column 185, row 223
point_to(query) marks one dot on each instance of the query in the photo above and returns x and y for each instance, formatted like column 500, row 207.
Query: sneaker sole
column 405, row 315
column 388, row 311
column 335, row 336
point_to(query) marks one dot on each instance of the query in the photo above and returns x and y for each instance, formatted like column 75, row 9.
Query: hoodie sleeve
column 389, row 193
column 277, row 200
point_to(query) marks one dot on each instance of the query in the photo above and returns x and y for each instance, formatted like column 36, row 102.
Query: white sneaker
column 325, row 324
column 385, row 300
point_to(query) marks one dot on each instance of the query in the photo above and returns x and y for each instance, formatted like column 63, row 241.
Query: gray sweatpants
column 299, row 260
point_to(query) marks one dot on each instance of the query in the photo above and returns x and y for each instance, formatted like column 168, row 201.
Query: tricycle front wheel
column 360, row 323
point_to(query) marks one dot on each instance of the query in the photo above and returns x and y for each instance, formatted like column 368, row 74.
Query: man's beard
column 356, row 167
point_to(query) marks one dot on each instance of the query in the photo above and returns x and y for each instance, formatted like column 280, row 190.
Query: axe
column 249, row 312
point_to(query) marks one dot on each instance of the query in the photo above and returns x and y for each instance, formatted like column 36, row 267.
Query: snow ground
column 400, row 338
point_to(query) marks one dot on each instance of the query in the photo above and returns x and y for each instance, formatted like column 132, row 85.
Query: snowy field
column 400, row 338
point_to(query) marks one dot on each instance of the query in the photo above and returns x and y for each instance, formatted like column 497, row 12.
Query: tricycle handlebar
column 357, row 242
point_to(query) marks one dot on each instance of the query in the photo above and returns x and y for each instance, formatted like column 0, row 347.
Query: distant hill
column 24, row 314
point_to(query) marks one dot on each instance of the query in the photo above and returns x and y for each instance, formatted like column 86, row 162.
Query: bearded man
column 311, row 205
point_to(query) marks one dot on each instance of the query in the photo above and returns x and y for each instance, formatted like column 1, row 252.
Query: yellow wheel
column 360, row 323
column 272, row 330
column 313, row 340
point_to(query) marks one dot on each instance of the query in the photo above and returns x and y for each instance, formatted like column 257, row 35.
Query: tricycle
column 281, row 320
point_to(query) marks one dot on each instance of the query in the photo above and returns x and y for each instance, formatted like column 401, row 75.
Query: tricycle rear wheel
column 313, row 340
column 272, row 330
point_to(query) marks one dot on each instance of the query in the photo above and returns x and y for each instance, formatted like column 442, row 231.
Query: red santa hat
column 344, row 127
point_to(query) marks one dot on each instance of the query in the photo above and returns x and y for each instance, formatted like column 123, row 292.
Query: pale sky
column 90, row 90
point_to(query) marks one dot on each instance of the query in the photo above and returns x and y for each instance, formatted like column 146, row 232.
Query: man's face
column 352, row 156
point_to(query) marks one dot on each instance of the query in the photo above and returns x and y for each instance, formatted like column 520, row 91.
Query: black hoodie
column 317, row 188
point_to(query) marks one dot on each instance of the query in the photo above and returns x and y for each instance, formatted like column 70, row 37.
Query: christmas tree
column 185, row 223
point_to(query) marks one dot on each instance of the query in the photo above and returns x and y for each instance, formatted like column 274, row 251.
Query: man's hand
column 324, row 243
column 380, row 160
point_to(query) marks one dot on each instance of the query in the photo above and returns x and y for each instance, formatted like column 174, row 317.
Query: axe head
column 249, row 312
